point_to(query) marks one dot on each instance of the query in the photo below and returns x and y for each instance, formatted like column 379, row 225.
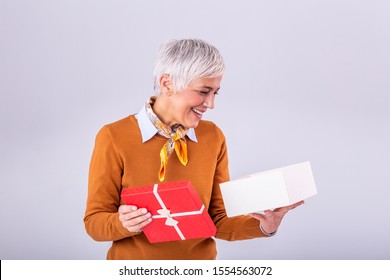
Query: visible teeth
column 197, row 111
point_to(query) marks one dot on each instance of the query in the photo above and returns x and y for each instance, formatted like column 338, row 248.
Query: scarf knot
column 176, row 139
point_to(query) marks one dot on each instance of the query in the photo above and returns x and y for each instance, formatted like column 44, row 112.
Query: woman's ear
column 166, row 84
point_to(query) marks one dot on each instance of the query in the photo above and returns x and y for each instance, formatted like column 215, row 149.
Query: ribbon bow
column 167, row 214
column 164, row 213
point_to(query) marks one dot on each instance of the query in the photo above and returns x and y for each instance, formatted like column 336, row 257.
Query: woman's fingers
column 134, row 219
column 285, row 209
column 298, row 203
column 271, row 220
column 139, row 226
column 134, row 213
column 257, row 216
column 126, row 209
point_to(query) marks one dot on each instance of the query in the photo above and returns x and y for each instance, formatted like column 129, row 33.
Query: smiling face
column 187, row 106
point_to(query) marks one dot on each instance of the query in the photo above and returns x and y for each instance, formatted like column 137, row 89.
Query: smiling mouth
column 199, row 113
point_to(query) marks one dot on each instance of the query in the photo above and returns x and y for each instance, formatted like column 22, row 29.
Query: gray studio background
column 305, row 80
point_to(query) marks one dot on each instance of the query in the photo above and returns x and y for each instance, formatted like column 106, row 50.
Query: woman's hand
column 270, row 220
column 132, row 218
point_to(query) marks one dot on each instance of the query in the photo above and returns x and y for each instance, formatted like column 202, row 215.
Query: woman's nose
column 209, row 101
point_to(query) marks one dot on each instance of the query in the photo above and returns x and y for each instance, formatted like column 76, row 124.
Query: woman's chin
column 191, row 124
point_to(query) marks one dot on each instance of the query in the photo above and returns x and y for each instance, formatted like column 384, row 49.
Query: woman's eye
column 204, row 92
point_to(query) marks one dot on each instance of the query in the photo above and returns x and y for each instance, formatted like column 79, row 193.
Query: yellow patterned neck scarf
column 176, row 139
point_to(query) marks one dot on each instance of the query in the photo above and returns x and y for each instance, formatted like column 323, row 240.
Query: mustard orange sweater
column 121, row 160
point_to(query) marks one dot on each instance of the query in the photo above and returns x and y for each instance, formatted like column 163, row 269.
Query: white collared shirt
column 148, row 130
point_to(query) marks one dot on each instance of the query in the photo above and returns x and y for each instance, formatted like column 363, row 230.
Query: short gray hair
column 185, row 61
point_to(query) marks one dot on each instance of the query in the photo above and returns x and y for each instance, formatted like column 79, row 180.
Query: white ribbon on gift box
column 165, row 213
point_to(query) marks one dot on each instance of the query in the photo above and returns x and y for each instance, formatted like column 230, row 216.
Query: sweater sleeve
column 234, row 228
column 104, row 186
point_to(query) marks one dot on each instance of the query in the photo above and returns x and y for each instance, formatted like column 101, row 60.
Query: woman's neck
column 161, row 108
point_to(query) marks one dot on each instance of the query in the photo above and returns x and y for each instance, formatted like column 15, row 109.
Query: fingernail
column 133, row 208
column 148, row 215
column 144, row 211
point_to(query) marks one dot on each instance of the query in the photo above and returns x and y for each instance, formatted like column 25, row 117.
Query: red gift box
column 177, row 211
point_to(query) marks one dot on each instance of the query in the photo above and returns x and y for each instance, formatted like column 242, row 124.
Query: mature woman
column 168, row 141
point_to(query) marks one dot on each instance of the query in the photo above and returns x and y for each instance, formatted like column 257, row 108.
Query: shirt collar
column 148, row 130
